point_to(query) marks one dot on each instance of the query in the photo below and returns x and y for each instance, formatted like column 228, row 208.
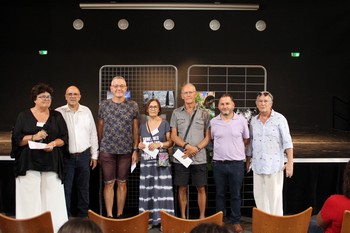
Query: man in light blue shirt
column 230, row 135
column 270, row 142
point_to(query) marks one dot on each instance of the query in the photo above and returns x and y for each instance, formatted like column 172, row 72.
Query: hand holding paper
column 178, row 155
column 37, row 145
column 152, row 153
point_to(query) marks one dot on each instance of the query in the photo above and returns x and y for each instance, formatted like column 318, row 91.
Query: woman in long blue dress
column 156, row 186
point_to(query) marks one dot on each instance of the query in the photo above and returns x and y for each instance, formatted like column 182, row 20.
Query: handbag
column 162, row 156
column 163, row 159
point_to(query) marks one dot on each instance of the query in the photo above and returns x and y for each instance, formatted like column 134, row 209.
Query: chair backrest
column 172, row 224
column 135, row 224
column 263, row 222
column 345, row 226
column 38, row 224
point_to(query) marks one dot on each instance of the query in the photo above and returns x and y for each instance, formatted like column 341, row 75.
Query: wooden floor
column 5, row 143
column 312, row 143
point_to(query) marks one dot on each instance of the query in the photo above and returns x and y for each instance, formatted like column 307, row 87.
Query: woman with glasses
column 39, row 138
column 156, row 190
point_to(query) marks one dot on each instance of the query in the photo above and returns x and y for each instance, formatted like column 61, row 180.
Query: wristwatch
column 184, row 147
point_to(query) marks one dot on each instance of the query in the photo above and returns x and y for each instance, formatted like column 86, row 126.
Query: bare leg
column 202, row 201
column 121, row 197
column 108, row 194
column 182, row 196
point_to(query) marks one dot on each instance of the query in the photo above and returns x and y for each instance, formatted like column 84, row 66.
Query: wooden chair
column 38, row 224
column 172, row 224
column 263, row 222
column 135, row 224
column 345, row 226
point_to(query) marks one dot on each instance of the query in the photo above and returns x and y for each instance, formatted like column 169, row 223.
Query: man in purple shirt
column 230, row 135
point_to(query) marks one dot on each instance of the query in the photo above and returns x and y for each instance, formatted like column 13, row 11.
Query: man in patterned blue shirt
column 270, row 142
column 117, row 129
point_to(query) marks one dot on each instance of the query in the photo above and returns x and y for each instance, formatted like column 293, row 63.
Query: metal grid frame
column 243, row 82
column 138, row 79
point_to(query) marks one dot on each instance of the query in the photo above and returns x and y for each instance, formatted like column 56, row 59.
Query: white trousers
column 37, row 192
column 268, row 192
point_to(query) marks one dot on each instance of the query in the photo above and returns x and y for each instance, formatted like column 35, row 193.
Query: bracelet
column 161, row 145
column 184, row 147
column 198, row 148
column 33, row 137
column 135, row 149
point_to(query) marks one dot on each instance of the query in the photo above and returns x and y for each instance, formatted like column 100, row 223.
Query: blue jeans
column 313, row 228
column 230, row 174
column 77, row 176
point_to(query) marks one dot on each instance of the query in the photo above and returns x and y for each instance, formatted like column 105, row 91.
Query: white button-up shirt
column 81, row 130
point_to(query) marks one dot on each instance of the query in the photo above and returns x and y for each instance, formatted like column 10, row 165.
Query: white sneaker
column 150, row 226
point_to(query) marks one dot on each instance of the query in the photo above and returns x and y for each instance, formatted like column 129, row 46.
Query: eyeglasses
column 45, row 97
column 188, row 92
column 121, row 86
column 153, row 107
column 72, row 94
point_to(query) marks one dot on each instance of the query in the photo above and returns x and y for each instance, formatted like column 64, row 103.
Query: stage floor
column 5, row 143
column 313, row 143
column 308, row 143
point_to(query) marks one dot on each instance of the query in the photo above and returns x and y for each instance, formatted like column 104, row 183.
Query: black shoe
column 110, row 217
column 120, row 216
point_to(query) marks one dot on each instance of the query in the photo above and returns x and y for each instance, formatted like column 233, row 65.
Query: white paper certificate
column 152, row 153
column 37, row 145
column 178, row 155
column 132, row 168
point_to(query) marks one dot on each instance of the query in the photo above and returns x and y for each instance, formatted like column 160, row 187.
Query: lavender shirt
column 228, row 137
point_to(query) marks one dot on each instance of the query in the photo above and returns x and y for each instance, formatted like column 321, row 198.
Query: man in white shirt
column 83, row 151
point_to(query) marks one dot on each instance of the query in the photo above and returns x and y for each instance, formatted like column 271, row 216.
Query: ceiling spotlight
column 169, row 24
column 214, row 25
column 260, row 25
column 123, row 24
column 78, row 24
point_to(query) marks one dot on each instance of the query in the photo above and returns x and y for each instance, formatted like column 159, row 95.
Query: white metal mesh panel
column 243, row 82
column 141, row 78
